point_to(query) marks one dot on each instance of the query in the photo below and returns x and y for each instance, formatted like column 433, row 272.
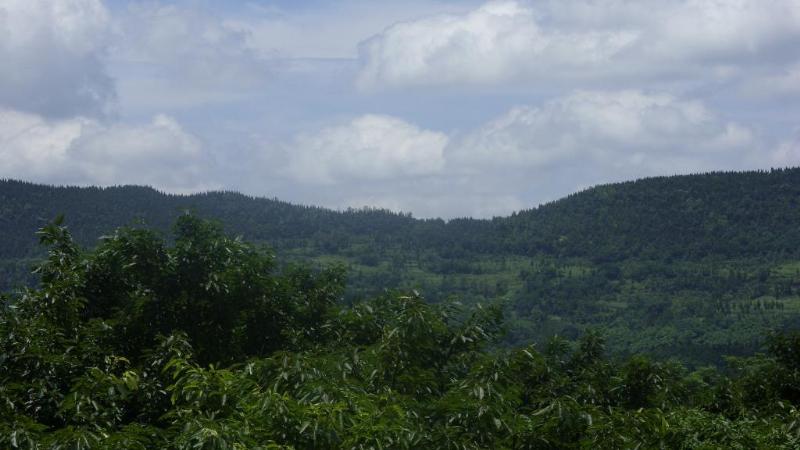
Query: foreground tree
column 203, row 342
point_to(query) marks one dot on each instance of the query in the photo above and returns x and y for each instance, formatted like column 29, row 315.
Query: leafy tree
column 203, row 341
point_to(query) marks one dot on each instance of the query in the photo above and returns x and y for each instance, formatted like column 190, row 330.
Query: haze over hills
column 690, row 266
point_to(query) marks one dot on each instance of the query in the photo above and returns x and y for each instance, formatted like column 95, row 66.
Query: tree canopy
column 692, row 267
column 203, row 341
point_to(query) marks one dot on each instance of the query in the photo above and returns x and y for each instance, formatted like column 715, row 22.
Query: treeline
column 721, row 214
column 725, row 214
column 200, row 341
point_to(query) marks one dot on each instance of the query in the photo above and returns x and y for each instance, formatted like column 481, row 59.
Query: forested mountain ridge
column 715, row 214
column 93, row 211
column 723, row 214
column 692, row 266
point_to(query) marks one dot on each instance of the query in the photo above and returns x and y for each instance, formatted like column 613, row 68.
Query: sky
column 440, row 108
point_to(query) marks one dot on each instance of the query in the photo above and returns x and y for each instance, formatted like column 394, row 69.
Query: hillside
column 690, row 266
column 203, row 342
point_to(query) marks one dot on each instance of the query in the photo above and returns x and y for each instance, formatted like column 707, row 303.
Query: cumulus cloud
column 787, row 154
column 725, row 30
column 783, row 82
column 53, row 57
column 370, row 147
column 84, row 151
column 498, row 41
column 525, row 156
column 655, row 133
column 584, row 40
column 170, row 56
column 337, row 27
column 607, row 90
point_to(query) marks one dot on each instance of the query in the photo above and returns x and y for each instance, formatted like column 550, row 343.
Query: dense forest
column 693, row 267
column 204, row 341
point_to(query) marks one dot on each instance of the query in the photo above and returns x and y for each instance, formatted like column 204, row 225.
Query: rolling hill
column 692, row 266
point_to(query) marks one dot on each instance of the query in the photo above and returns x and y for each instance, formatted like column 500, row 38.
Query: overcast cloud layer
column 436, row 107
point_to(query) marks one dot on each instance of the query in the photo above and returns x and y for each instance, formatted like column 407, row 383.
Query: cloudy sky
column 436, row 107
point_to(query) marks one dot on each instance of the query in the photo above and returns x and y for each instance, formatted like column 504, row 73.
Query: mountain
column 692, row 266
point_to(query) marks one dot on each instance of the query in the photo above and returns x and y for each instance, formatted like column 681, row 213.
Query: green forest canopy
column 692, row 267
column 203, row 342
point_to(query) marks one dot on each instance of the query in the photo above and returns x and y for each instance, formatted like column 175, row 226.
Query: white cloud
column 537, row 153
column 649, row 82
column 611, row 40
column 370, row 147
column 85, row 151
column 178, row 56
column 782, row 83
column 725, row 29
column 654, row 133
column 526, row 156
column 337, row 27
column 169, row 56
column 500, row 40
column 787, row 154
column 52, row 57
column 31, row 146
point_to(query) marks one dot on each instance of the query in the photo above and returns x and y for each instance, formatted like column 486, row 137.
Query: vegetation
column 203, row 342
column 692, row 267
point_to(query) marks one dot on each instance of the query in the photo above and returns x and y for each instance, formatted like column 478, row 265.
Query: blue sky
column 440, row 108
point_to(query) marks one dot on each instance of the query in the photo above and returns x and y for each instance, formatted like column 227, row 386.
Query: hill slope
column 690, row 266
